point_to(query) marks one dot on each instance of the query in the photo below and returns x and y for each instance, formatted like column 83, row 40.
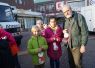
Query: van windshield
column 5, row 14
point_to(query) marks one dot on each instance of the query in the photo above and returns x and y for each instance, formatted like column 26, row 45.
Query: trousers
column 75, row 57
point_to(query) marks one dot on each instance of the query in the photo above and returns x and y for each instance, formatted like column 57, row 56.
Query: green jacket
column 78, row 29
column 33, row 44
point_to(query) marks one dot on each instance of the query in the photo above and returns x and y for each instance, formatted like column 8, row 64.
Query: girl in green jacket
column 37, row 47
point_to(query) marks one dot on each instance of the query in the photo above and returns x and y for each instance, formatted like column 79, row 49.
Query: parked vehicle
column 89, row 13
column 8, row 22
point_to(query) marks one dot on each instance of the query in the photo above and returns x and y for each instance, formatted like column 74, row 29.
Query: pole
column 65, row 1
column 55, row 8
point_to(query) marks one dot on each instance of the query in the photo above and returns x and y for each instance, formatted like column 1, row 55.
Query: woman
column 54, row 35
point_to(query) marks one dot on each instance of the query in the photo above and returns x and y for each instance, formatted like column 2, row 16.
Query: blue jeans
column 54, row 63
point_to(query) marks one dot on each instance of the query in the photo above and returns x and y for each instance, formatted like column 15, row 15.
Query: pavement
column 88, row 57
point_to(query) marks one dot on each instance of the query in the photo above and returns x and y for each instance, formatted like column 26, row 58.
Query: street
column 20, row 15
column 88, row 57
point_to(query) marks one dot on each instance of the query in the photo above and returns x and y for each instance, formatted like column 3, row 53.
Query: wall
column 20, row 4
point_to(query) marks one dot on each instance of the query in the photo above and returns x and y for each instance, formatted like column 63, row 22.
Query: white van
column 89, row 13
column 7, row 20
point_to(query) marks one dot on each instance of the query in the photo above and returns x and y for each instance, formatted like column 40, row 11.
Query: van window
column 5, row 14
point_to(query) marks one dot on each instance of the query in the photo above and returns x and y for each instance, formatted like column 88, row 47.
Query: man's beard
column 68, row 16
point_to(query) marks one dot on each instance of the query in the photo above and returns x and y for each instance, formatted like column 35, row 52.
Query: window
column 5, row 14
column 18, row 1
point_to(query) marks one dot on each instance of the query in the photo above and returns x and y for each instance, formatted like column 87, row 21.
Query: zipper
column 38, row 42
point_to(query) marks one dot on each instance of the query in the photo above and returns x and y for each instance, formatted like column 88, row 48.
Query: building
column 25, row 9
column 20, row 4
column 48, row 7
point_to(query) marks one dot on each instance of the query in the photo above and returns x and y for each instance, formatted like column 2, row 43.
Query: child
column 54, row 35
column 37, row 46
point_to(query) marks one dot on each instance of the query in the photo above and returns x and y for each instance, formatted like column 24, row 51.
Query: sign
column 59, row 5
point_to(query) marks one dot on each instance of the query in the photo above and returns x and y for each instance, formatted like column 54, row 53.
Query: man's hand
column 82, row 49
column 65, row 30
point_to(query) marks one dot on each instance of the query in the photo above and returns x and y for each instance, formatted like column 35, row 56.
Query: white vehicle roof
column 5, row 4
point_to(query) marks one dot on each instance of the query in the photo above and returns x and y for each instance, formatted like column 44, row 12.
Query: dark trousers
column 39, row 66
column 54, row 63
column 17, row 64
column 6, row 58
column 6, row 61
column 75, row 57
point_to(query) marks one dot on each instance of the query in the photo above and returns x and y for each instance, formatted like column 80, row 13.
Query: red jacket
column 11, row 40
column 49, row 35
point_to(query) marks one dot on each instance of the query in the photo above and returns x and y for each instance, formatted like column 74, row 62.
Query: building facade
column 49, row 7
column 20, row 4
column 46, row 7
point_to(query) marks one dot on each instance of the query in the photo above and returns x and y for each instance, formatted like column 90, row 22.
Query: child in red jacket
column 54, row 35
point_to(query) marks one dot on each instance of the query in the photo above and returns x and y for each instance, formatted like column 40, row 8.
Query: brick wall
column 21, row 4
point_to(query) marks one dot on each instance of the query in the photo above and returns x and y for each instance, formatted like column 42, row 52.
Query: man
column 77, row 29
column 39, row 24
